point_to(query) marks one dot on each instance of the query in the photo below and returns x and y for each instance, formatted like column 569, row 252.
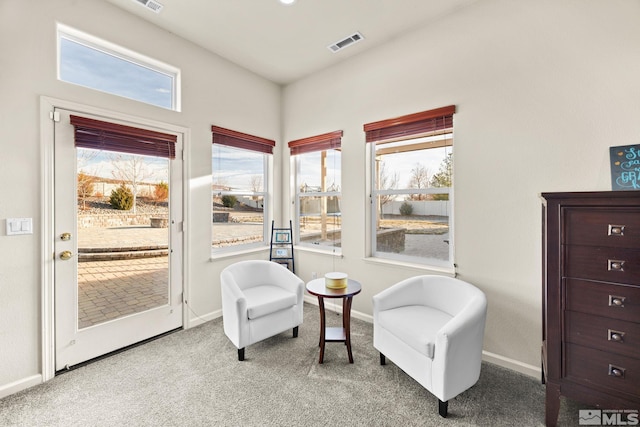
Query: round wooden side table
column 317, row 287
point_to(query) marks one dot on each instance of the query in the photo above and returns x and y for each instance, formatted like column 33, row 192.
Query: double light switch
column 19, row 226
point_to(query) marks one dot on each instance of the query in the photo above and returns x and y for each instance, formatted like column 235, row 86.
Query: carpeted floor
column 193, row 378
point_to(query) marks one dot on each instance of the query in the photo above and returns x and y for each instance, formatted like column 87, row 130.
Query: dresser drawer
column 603, row 333
column 602, row 299
column 598, row 368
column 619, row 265
column 617, row 227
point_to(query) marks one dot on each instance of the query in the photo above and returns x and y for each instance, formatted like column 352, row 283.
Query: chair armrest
column 406, row 292
column 458, row 350
column 234, row 308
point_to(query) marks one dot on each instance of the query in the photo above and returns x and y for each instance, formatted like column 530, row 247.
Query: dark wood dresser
column 591, row 300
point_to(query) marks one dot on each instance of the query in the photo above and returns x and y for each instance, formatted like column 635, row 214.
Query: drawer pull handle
column 616, row 265
column 616, row 336
column 616, row 230
column 615, row 371
column 615, row 301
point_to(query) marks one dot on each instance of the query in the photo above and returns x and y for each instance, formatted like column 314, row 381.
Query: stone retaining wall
column 118, row 220
column 390, row 239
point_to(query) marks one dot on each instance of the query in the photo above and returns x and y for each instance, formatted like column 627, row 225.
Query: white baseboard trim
column 514, row 365
column 23, row 384
column 196, row 320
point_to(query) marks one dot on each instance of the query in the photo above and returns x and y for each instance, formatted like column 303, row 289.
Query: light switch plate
column 19, row 226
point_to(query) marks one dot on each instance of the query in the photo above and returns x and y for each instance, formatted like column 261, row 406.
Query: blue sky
column 105, row 164
column 102, row 71
column 404, row 163
column 235, row 167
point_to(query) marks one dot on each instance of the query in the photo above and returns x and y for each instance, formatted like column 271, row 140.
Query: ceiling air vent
column 151, row 4
column 348, row 41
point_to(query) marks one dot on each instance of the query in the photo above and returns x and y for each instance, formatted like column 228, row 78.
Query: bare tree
column 85, row 156
column 256, row 186
column 386, row 182
column 256, row 183
column 419, row 179
column 132, row 170
column 85, row 187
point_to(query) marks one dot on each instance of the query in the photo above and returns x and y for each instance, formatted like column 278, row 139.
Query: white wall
column 542, row 89
column 213, row 92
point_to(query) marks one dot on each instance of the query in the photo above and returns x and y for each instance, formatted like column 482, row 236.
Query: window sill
column 333, row 252
column 446, row 271
column 216, row 255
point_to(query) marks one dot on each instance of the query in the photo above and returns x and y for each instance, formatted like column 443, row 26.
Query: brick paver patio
column 111, row 289
column 115, row 288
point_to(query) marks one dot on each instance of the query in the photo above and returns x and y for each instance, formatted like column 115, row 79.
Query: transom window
column 239, row 197
column 412, row 187
column 88, row 61
column 318, row 182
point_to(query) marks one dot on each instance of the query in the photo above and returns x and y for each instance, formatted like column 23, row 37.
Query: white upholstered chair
column 432, row 327
column 260, row 299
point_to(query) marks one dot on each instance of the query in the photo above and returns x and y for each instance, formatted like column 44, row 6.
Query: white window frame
column 112, row 49
column 266, row 201
column 297, row 204
column 447, row 266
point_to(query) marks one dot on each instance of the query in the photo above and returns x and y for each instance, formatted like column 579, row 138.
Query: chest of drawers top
column 599, row 233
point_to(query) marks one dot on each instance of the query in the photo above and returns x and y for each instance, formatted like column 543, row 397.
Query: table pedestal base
column 332, row 334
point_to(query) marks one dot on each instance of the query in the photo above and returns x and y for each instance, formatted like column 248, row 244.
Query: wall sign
column 625, row 167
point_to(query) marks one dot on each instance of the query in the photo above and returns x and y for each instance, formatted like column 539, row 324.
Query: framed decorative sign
column 625, row 167
column 283, row 236
column 282, row 253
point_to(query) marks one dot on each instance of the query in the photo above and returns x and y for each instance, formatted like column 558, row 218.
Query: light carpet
column 193, row 378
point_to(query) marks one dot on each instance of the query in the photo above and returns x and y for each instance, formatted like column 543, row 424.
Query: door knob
column 65, row 236
column 65, row 255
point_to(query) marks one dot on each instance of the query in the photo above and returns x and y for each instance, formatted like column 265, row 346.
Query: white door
column 118, row 279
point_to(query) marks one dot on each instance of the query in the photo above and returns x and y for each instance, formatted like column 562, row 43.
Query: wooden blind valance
column 99, row 135
column 232, row 138
column 411, row 124
column 326, row 141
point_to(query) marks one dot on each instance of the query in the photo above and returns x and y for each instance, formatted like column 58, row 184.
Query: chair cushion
column 415, row 325
column 267, row 299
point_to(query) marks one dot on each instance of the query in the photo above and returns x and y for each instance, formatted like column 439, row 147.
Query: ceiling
column 284, row 43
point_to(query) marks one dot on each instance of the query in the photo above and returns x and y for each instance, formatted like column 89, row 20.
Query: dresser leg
column 552, row 404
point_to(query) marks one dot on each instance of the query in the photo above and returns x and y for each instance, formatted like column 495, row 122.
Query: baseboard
column 514, row 365
column 195, row 320
column 20, row 385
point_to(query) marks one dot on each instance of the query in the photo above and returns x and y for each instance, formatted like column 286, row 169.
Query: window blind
column 232, row 138
column 411, row 125
column 326, row 141
column 99, row 135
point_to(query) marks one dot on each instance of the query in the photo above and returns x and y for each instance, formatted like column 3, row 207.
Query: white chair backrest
column 448, row 294
column 248, row 274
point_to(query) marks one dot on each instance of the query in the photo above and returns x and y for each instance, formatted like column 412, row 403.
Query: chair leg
column 241, row 354
column 442, row 408
column 383, row 360
column 295, row 332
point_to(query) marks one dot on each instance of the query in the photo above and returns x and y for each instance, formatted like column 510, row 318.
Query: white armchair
column 260, row 299
column 432, row 327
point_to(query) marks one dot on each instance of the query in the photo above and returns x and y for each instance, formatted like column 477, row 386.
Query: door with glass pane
column 117, row 240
